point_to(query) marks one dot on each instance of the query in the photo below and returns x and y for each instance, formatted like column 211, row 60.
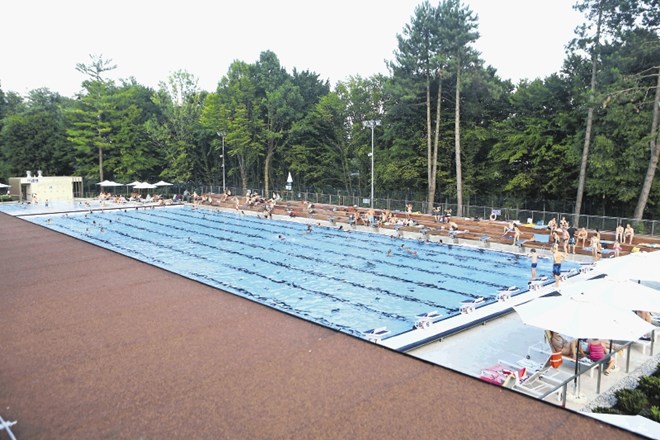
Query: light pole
column 222, row 134
column 372, row 123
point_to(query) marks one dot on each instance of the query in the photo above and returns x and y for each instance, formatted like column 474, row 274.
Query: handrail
column 597, row 364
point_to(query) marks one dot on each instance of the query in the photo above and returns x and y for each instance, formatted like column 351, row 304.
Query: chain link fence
column 507, row 209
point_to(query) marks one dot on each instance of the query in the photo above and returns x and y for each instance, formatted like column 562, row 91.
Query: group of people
column 596, row 349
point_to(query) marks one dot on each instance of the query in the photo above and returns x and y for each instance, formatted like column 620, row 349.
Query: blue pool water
column 339, row 279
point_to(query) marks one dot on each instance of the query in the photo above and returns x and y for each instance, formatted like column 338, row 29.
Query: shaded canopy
column 144, row 185
column 582, row 319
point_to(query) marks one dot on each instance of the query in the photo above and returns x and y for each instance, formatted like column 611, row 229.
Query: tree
column 281, row 104
column 35, row 138
column 320, row 149
column 459, row 31
column 91, row 120
column 597, row 12
column 421, row 54
column 137, row 156
column 235, row 106
column 180, row 102
column 654, row 147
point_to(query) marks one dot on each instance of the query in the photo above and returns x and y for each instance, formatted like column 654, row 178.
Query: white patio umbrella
column 579, row 318
column 636, row 266
column 144, row 185
column 2, row 185
column 622, row 294
column 136, row 182
column 109, row 183
column 163, row 183
column 582, row 319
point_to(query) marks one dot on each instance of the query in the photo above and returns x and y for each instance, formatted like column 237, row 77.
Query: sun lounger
column 424, row 320
column 376, row 334
column 470, row 306
column 499, row 373
column 542, row 377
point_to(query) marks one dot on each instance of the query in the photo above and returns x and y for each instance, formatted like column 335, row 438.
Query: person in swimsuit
column 597, row 351
column 629, row 233
column 562, row 345
column 535, row 260
column 619, row 233
column 582, row 234
column 571, row 238
column 557, row 258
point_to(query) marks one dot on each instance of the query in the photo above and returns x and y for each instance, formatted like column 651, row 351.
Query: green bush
column 639, row 228
column 631, row 402
column 654, row 414
column 650, row 386
column 656, row 373
column 605, row 410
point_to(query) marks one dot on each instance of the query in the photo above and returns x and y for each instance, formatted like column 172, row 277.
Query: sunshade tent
column 582, row 319
column 2, row 185
column 579, row 318
column 636, row 266
column 163, row 183
column 109, row 183
column 144, row 185
column 622, row 294
column 136, row 182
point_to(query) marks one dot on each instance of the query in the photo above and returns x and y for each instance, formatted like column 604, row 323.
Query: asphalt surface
column 96, row 345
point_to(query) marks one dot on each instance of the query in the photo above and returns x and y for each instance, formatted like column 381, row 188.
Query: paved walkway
column 97, row 345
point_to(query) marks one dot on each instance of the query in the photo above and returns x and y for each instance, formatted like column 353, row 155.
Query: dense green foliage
column 644, row 400
column 451, row 127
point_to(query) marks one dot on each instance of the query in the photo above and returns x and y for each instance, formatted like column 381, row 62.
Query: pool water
column 344, row 280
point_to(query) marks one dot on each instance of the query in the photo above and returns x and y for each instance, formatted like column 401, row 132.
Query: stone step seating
column 478, row 230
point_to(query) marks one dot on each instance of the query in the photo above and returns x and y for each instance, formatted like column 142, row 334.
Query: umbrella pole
column 577, row 362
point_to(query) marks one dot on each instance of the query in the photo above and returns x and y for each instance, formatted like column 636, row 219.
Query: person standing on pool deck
column 571, row 238
column 535, row 261
column 557, row 258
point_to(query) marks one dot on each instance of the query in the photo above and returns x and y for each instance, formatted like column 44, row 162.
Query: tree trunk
column 655, row 154
column 267, row 160
column 590, row 120
column 430, row 185
column 242, row 169
column 436, row 142
column 100, row 164
column 457, row 141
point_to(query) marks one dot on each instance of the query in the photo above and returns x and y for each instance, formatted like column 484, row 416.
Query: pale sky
column 43, row 40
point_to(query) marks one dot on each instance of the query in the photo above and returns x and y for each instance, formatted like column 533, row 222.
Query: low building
column 40, row 188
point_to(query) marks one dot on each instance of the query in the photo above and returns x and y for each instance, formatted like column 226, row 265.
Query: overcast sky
column 43, row 40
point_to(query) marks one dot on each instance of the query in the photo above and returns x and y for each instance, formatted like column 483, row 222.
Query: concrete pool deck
column 98, row 345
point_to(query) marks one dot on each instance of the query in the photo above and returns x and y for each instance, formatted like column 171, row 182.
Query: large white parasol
column 582, row 319
column 622, row 294
column 637, row 266
column 144, row 185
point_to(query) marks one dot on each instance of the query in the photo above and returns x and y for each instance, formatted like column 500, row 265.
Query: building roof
column 98, row 345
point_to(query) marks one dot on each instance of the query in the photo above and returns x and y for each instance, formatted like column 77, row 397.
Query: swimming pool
column 344, row 280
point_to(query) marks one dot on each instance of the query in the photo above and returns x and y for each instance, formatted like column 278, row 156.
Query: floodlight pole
column 222, row 134
column 372, row 123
